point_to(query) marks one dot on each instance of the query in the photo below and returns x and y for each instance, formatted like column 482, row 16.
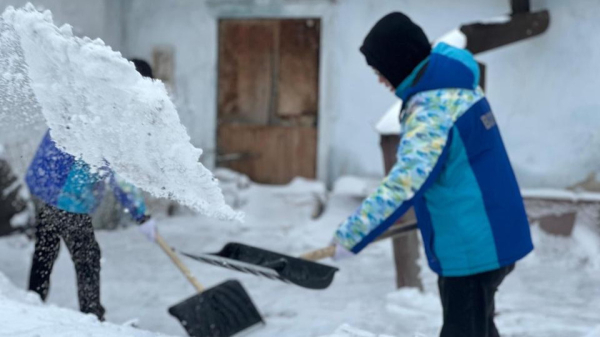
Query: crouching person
column 452, row 167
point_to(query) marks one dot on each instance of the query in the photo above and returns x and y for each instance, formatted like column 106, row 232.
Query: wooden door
column 268, row 98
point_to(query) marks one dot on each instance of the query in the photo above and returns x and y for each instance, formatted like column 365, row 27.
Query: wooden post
column 482, row 37
column 406, row 248
column 520, row 6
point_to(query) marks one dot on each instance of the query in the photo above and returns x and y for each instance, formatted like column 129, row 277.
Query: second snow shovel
column 269, row 264
column 303, row 271
column 221, row 311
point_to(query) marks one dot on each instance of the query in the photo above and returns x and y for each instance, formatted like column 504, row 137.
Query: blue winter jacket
column 61, row 180
column 453, row 168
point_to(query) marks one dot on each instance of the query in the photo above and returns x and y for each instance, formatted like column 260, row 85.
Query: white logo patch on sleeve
column 488, row 120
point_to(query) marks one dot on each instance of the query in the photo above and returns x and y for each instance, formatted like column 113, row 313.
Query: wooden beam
column 482, row 75
column 520, row 6
column 482, row 37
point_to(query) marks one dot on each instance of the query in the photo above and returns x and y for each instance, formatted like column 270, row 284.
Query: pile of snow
column 24, row 315
column 233, row 185
column 455, row 38
column 355, row 186
column 553, row 292
column 348, row 331
column 560, row 194
column 594, row 333
column 99, row 108
column 19, row 110
column 581, row 250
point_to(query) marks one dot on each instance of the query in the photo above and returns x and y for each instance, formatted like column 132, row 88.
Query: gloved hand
column 341, row 252
column 148, row 228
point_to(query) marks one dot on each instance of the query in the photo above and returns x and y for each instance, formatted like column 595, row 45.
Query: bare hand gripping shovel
column 221, row 311
column 302, row 271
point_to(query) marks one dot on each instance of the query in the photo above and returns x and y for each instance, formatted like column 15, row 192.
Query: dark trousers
column 468, row 303
column 78, row 234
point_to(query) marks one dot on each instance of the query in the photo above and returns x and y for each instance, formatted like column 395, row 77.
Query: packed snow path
column 554, row 292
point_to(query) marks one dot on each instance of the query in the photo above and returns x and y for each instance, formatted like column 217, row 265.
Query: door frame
column 282, row 9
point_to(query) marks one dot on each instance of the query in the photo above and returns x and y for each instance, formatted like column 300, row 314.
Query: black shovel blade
column 221, row 311
column 304, row 273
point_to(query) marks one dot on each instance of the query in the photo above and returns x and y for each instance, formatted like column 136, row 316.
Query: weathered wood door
column 268, row 98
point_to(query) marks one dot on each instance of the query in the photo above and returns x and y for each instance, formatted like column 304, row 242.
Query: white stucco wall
column 545, row 94
column 542, row 90
column 351, row 100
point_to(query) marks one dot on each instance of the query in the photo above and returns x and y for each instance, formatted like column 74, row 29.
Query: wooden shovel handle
column 394, row 232
column 184, row 270
column 319, row 254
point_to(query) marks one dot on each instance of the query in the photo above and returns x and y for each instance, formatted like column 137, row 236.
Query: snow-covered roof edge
column 389, row 124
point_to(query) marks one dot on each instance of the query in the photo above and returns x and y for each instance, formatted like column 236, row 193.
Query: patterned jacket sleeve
column 419, row 158
column 130, row 197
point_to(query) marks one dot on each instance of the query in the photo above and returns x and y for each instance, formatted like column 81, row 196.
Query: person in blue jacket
column 452, row 167
column 70, row 191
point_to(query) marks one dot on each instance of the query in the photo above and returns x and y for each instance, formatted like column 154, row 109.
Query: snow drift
column 347, row 330
column 101, row 110
column 23, row 314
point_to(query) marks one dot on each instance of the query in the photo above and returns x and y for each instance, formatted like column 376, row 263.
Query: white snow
column 19, row 111
column 495, row 20
column 23, row 315
column 389, row 124
column 595, row 333
column 560, row 194
column 348, row 331
column 552, row 293
column 354, row 186
column 100, row 109
column 454, row 38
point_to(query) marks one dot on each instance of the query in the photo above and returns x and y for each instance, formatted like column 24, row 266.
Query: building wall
column 545, row 94
column 543, row 91
column 351, row 101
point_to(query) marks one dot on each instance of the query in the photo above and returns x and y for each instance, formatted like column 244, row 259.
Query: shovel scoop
column 269, row 264
column 220, row 311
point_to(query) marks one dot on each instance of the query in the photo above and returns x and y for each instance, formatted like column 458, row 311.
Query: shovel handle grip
column 184, row 270
column 319, row 254
column 393, row 232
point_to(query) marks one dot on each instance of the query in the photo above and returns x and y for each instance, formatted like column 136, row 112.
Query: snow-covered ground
column 23, row 314
column 554, row 292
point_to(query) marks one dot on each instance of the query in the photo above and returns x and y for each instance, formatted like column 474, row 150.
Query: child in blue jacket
column 70, row 192
column 452, row 168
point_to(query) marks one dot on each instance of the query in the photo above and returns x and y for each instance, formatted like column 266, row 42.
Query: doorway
column 268, row 97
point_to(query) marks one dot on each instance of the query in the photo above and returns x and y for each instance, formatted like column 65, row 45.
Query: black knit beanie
column 143, row 68
column 395, row 46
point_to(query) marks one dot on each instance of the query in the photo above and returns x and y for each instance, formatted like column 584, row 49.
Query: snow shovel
column 269, row 264
column 303, row 271
column 221, row 311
